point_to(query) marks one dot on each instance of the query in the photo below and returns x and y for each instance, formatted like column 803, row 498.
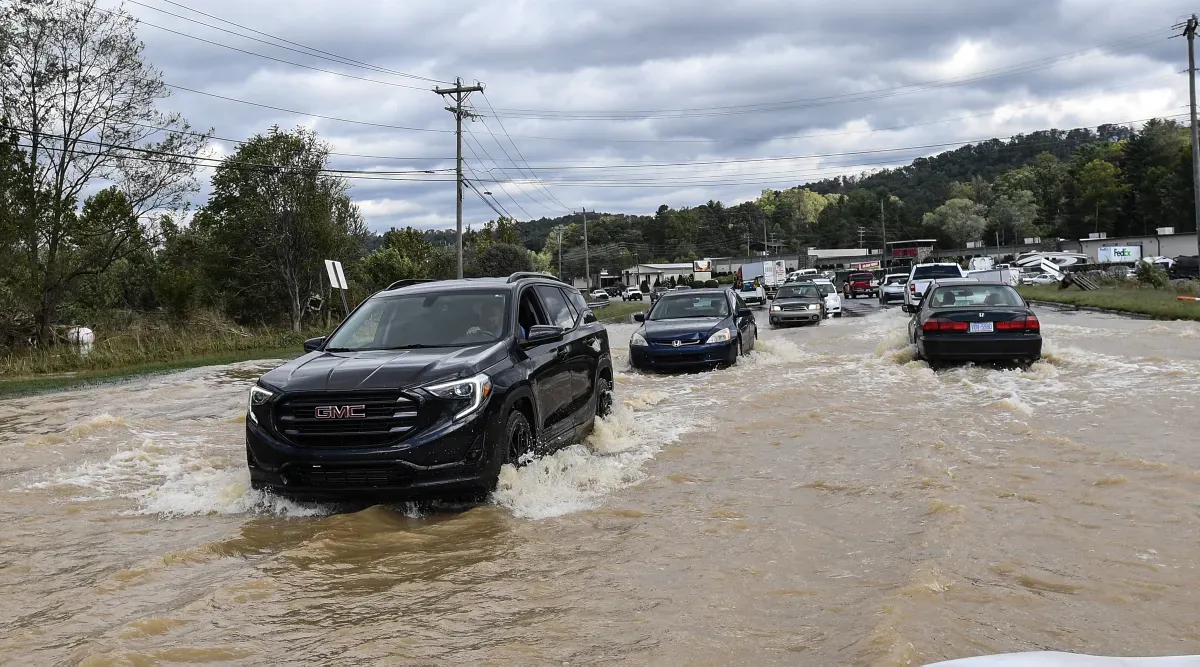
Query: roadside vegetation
column 619, row 311
column 1159, row 303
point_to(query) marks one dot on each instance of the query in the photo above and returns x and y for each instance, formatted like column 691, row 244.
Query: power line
column 518, row 150
column 481, row 162
column 305, row 113
column 506, row 175
column 307, row 50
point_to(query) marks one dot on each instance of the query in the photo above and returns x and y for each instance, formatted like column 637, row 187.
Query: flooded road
column 828, row 501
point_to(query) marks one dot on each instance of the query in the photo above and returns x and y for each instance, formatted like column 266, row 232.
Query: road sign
column 337, row 279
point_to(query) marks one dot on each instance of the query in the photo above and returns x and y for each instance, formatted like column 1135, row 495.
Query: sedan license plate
column 981, row 327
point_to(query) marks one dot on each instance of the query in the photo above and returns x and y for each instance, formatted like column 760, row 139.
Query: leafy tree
column 959, row 219
column 275, row 215
column 81, row 96
column 502, row 259
column 1102, row 193
column 1014, row 215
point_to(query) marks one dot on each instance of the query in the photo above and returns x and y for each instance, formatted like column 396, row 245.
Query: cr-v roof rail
column 532, row 274
column 408, row 281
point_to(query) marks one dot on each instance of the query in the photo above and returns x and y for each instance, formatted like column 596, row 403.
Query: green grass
column 1157, row 303
column 618, row 312
column 144, row 345
column 58, row 382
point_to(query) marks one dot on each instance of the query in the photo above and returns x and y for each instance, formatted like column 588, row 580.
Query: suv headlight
column 721, row 336
column 638, row 340
column 776, row 309
column 257, row 397
column 472, row 392
column 814, row 306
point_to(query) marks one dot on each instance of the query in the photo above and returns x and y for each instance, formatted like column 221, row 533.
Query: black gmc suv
column 428, row 388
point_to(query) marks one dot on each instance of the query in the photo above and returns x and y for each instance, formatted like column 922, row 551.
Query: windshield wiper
column 413, row 346
column 339, row 349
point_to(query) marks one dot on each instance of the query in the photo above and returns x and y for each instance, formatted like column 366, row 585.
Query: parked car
column 892, row 288
column 921, row 275
column 753, row 294
column 600, row 295
column 428, row 389
column 797, row 303
column 1041, row 279
column 968, row 320
column 633, row 293
column 693, row 328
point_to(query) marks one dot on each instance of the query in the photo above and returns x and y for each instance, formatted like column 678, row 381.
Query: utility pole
column 587, row 259
column 560, row 231
column 862, row 232
column 1190, row 31
column 883, row 224
column 459, row 94
column 748, row 245
column 766, row 248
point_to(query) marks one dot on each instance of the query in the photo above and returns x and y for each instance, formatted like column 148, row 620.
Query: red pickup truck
column 860, row 283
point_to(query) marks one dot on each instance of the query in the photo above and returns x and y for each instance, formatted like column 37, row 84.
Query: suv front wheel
column 604, row 398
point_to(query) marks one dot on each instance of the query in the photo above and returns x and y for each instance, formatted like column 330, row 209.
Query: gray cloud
column 836, row 65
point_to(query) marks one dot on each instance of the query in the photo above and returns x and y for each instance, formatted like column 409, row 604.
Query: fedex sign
column 1119, row 254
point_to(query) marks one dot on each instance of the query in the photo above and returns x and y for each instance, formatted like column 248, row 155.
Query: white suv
column 923, row 274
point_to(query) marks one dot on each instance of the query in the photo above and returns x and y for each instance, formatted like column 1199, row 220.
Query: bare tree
column 76, row 90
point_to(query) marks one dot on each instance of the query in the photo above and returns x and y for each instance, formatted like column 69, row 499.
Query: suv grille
column 350, row 477
column 347, row 419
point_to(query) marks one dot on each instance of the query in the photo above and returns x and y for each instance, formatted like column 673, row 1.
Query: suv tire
column 604, row 398
column 517, row 440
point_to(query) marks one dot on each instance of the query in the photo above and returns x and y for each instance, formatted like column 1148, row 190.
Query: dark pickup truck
column 860, row 283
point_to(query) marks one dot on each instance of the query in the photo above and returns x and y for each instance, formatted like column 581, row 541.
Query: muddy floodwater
column 829, row 501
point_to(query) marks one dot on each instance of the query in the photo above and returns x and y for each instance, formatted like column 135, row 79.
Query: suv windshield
column 445, row 319
column 937, row 271
column 680, row 307
column 808, row 290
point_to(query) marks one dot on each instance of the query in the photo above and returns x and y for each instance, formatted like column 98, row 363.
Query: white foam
column 172, row 475
column 581, row 476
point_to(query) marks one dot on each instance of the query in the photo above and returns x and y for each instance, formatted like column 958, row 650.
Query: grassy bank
column 618, row 312
column 1156, row 303
column 146, row 346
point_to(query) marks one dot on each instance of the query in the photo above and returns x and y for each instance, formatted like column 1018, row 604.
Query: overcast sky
column 616, row 84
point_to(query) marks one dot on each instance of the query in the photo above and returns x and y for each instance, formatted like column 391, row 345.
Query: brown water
column 829, row 501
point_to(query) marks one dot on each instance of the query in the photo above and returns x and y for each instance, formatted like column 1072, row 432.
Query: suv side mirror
column 539, row 334
column 639, row 317
column 312, row 344
column 745, row 312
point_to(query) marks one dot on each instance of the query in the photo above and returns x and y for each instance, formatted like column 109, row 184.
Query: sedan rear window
column 957, row 296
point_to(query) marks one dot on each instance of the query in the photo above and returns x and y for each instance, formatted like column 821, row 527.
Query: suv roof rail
column 533, row 274
column 406, row 282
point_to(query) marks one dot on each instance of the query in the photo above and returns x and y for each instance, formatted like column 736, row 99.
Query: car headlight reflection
column 472, row 392
column 720, row 336
column 257, row 397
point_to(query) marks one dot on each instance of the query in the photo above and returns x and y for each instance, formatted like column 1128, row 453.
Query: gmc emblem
column 341, row 412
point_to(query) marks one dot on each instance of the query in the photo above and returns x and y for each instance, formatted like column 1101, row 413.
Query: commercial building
column 1133, row 248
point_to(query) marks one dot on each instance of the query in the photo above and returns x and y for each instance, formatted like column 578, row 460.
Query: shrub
column 1149, row 274
column 1185, row 287
column 712, row 283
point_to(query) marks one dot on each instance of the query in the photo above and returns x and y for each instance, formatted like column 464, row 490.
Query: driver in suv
column 427, row 389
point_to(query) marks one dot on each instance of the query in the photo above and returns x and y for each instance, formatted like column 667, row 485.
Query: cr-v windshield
column 680, row 307
column 446, row 319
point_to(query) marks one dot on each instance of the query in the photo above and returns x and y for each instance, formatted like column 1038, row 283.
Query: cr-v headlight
column 471, row 391
column 721, row 336
column 257, row 397
column 637, row 340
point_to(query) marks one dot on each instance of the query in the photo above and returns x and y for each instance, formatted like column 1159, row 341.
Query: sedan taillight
column 940, row 324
